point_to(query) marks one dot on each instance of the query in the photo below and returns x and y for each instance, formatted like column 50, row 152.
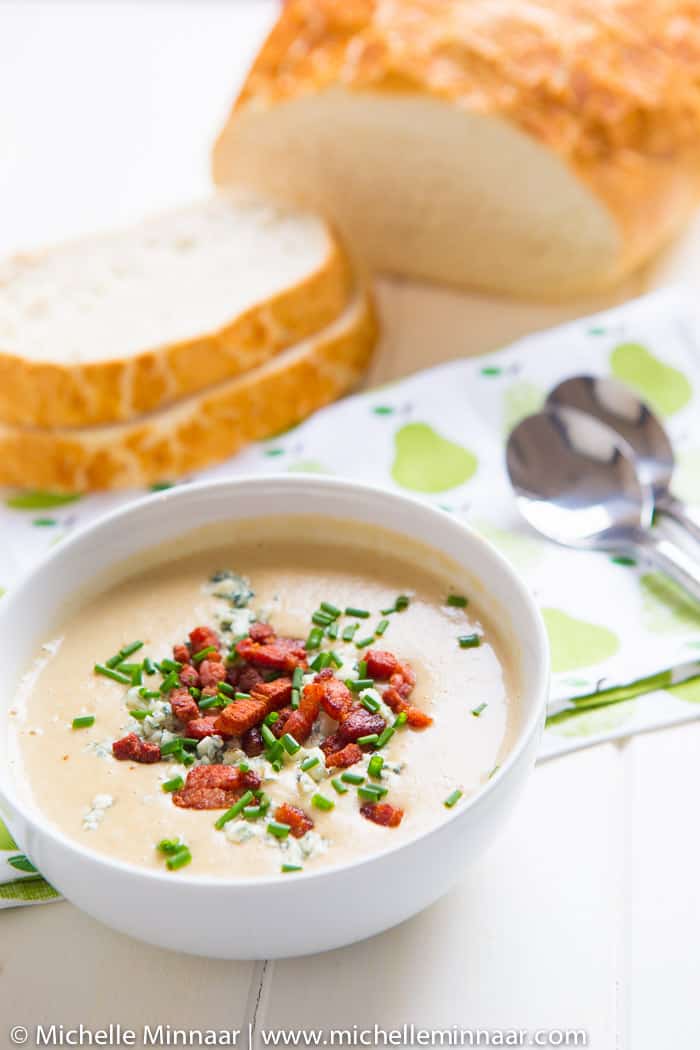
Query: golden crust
column 205, row 428
column 46, row 394
column 611, row 86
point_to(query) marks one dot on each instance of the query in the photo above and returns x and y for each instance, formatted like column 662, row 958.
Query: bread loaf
column 538, row 147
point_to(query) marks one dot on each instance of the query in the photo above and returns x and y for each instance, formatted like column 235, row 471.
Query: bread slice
column 108, row 327
column 537, row 147
column 201, row 429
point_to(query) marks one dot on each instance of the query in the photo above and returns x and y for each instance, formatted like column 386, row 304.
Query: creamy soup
column 343, row 592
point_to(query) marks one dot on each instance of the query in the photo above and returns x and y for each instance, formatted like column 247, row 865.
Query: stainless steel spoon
column 576, row 483
column 618, row 407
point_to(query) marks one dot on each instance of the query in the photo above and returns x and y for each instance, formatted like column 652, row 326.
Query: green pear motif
column 686, row 477
column 427, row 462
column 590, row 723
column 521, row 550
column 666, row 609
column 665, row 388
column 520, row 400
column 308, row 466
column 576, row 643
column 6, row 840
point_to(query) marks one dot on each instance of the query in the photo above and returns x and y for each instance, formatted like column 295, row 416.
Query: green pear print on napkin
column 520, row 400
column 591, row 723
column 688, row 691
column 686, row 477
column 576, row 643
column 665, row 388
column 424, row 461
column 665, row 607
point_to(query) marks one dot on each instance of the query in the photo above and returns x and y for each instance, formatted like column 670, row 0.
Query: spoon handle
column 683, row 515
column 672, row 560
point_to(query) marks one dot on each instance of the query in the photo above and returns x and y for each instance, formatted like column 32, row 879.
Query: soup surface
column 374, row 757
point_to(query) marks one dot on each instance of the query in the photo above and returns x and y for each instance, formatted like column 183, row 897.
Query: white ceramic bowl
column 269, row 917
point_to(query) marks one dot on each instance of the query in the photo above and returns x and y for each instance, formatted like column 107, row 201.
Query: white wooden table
column 585, row 914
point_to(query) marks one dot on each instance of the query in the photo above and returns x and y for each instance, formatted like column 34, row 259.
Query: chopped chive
column 148, row 666
column 381, row 627
column 320, row 662
column 402, row 602
column 349, row 631
column 241, row 696
column 170, row 665
column 244, row 767
column 494, row 771
column 321, row 802
column 22, row 863
column 83, row 722
column 335, row 659
column 287, row 868
column 224, row 687
column 457, row 601
column 274, row 716
column 400, row 719
column 203, row 654
column 194, row 692
column 109, row 672
column 289, row 744
column 364, row 642
column 339, row 786
column 322, row 619
column 332, row 610
column 179, row 859
column 136, row 678
column 295, row 699
column 172, row 747
column 149, row 694
column 384, row 737
column 127, row 668
column 235, row 809
column 358, row 684
column 477, row 710
column 375, row 766
column 280, row 831
column 352, row 778
column 174, row 784
column 252, row 812
column 372, row 792
column 213, row 701
column 169, row 682
column 126, row 650
column 189, row 741
column 139, row 715
column 469, row 641
column 267, row 735
column 371, row 738
column 360, row 614
column 332, row 631
column 370, row 704
column 454, row 798
column 169, row 845
column 308, row 763
column 362, row 669
column 298, row 678
column 314, row 639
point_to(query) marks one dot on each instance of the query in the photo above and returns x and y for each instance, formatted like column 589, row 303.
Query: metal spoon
column 619, row 408
column 576, row 483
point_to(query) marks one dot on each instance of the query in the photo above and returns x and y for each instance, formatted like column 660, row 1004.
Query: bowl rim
column 525, row 733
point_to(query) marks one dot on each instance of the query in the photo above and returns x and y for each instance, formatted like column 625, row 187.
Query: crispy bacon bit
column 331, row 744
column 416, row 718
column 403, row 680
column 252, row 742
column 261, row 632
column 211, row 672
column 209, row 690
column 184, row 707
column 279, row 727
column 214, row 787
column 131, row 748
column 189, row 676
column 359, row 723
column 300, row 722
column 199, row 728
column 244, row 678
column 182, row 654
column 347, row 756
column 242, row 715
column 295, row 817
column 382, row 813
column 203, row 638
column 336, row 700
column 380, row 663
column 280, row 654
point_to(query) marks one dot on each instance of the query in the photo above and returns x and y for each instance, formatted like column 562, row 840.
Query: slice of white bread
column 108, row 327
column 537, row 147
column 201, row 429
